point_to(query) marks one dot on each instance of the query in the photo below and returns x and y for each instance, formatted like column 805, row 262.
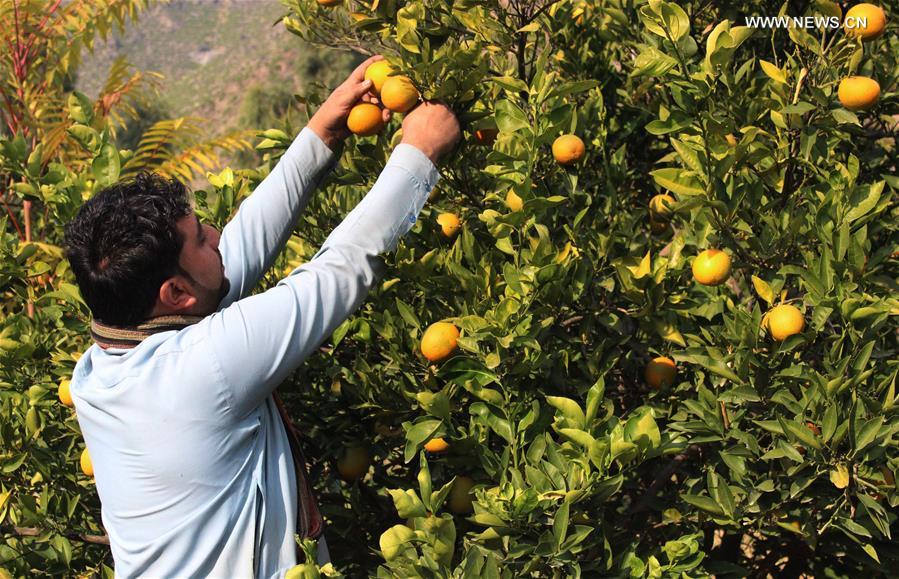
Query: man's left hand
column 329, row 122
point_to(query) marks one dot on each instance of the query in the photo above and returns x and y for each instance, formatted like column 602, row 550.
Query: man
column 193, row 463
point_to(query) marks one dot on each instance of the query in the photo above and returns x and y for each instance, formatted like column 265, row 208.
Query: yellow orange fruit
column 568, row 149
column 65, row 393
column 353, row 462
column 660, row 372
column 660, row 207
column 513, row 201
column 460, row 499
column 399, row 94
column 731, row 139
column 485, row 136
column 783, row 321
column 711, row 267
column 450, row 224
column 365, row 119
column 439, row 341
column 377, row 73
column 87, row 466
column 858, row 93
column 873, row 17
column 437, row 445
column 329, row 3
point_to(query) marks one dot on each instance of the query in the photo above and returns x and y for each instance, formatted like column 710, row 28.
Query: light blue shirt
column 192, row 463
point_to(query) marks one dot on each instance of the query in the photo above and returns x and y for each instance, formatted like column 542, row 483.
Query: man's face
column 202, row 261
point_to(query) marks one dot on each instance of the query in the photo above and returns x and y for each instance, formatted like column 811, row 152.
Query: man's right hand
column 431, row 128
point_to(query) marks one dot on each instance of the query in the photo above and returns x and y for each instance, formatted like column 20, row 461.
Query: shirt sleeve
column 253, row 238
column 260, row 339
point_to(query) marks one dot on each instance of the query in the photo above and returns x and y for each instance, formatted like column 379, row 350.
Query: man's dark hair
column 124, row 243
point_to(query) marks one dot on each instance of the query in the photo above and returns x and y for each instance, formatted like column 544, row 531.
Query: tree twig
column 35, row 532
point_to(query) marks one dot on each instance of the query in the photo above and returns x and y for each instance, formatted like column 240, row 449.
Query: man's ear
column 176, row 294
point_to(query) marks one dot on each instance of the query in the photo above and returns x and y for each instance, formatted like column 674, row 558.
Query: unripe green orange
column 460, row 499
column 354, row 462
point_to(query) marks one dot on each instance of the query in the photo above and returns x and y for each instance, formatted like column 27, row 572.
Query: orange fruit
column 711, row 267
column 513, row 201
column 731, row 139
column 377, row 73
column 365, row 120
column 439, row 341
column 858, row 93
column 399, row 94
column 485, row 136
column 353, row 462
column 660, row 372
column 658, row 227
column 449, row 224
column 329, row 3
column 65, row 393
column 437, row 445
column 660, row 207
column 783, row 321
column 814, row 428
column 460, row 500
column 568, row 149
column 865, row 20
column 87, row 466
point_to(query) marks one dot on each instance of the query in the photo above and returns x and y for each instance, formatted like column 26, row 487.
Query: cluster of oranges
column 712, row 267
column 859, row 93
column 65, row 396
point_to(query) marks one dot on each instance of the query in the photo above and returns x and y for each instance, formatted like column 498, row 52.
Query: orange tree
column 610, row 404
column 766, row 443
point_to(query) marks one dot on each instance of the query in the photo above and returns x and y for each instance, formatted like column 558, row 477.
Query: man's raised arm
column 258, row 340
column 253, row 238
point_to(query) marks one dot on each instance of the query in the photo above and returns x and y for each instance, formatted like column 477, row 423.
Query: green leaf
column 643, row 430
column 393, row 540
column 774, row 73
column 678, row 181
column 707, row 504
column 763, row 289
column 407, row 503
column 844, row 117
column 573, row 415
column 560, row 523
column 510, row 83
column 864, row 199
column 509, row 117
column 417, row 435
column 106, row 165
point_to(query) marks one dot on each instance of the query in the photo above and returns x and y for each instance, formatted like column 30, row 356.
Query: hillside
column 212, row 53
